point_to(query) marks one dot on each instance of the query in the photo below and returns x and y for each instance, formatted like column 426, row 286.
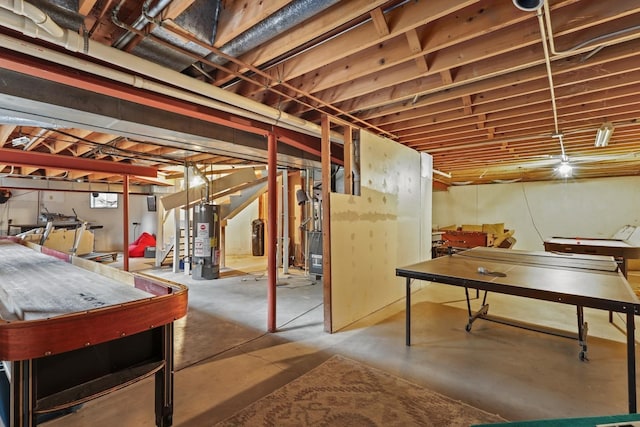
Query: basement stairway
column 233, row 192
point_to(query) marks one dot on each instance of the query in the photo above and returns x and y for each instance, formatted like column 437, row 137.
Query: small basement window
column 103, row 200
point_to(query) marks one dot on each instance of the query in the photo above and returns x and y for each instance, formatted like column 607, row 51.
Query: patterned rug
column 343, row 392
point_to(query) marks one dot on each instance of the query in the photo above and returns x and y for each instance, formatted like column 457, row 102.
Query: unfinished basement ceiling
column 466, row 81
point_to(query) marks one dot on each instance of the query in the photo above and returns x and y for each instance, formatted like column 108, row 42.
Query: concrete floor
column 225, row 360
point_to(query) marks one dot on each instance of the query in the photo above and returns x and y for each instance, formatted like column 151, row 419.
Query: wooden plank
column 326, row 223
column 466, row 103
column 348, row 147
column 379, row 22
column 411, row 15
column 415, row 45
column 327, row 21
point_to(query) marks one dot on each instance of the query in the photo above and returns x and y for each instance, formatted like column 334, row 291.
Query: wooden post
column 348, row 179
column 326, row 223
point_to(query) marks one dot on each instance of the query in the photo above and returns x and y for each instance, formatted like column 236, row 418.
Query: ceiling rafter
column 463, row 80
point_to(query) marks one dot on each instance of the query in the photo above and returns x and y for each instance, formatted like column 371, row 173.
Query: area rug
column 343, row 392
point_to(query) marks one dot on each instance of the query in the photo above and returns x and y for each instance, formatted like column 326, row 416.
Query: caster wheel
column 583, row 356
column 468, row 327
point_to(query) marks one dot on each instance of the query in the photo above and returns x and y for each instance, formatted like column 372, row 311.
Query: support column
column 125, row 220
column 326, row 223
column 285, row 222
column 272, row 232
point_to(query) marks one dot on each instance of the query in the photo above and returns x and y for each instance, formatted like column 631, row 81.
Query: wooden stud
column 421, row 62
column 414, row 41
column 377, row 16
column 482, row 119
column 446, row 77
column 348, row 146
column 466, row 103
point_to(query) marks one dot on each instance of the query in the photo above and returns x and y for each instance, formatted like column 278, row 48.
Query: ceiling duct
column 62, row 12
column 19, row 121
column 284, row 19
column 141, row 21
column 200, row 19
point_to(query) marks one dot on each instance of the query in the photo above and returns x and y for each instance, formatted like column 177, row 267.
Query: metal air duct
column 284, row 19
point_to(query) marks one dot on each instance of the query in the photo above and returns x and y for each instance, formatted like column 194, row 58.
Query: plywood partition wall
column 372, row 234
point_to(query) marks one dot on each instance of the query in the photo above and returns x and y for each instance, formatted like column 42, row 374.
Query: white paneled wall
column 537, row 210
column 380, row 230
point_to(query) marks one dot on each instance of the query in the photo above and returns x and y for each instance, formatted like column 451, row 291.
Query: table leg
column 631, row 362
column 582, row 333
column 22, row 394
column 408, row 313
column 164, row 381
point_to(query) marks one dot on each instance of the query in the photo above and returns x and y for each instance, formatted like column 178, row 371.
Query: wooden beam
column 342, row 47
column 331, row 18
column 348, row 147
column 85, row 6
column 176, row 7
column 5, row 132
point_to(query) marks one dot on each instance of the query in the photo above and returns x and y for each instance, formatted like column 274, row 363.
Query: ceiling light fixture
column 565, row 169
column 604, row 134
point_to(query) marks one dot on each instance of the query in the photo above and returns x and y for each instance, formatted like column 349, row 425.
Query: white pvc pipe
column 33, row 14
column 200, row 92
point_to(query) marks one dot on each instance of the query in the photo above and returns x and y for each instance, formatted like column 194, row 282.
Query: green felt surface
column 569, row 422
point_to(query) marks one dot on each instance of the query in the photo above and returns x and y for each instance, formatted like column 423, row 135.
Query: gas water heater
column 206, row 242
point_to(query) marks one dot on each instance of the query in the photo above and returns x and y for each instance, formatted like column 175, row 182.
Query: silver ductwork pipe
column 288, row 17
column 18, row 121
column 175, row 84
column 142, row 21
